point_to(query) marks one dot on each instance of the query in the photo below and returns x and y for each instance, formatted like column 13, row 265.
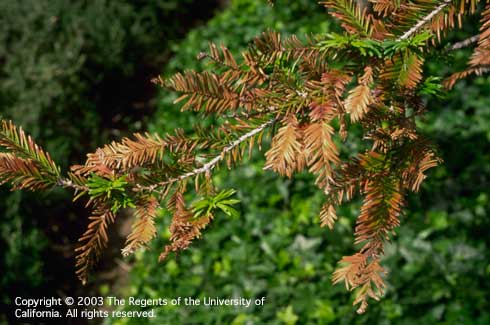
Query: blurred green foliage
column 438, row 263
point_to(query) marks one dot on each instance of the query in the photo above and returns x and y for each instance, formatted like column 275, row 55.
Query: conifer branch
column 479, row 62
column 294, row 81
column 93, row 240
column 286, row 154
column 465, row 43
column 23, row 173
column 213, row 162
column 68, row 183
column 360, row 97
column 354, row 17
column 17, row 142
column 424, row 20
column 184, row 228
column 144, row 229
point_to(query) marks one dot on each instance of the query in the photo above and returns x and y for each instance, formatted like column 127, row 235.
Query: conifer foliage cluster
column 305, row 94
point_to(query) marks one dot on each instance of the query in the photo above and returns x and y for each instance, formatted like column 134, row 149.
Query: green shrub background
column 51, row 82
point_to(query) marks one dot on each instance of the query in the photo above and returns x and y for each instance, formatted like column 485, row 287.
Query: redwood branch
column 213, row 162
column 424, row 20
column 465, row 43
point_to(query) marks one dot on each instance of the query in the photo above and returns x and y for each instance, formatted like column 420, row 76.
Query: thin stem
column 213, row 162
column 68, row 183
column 424, row 20
column 465, row 43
